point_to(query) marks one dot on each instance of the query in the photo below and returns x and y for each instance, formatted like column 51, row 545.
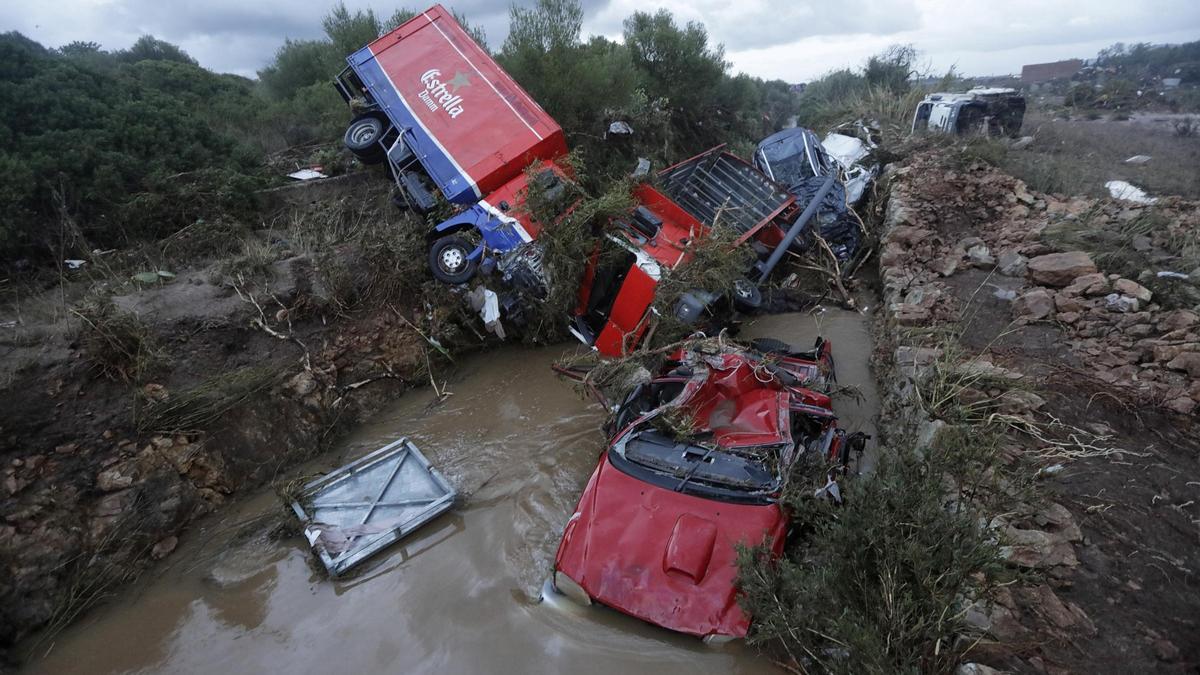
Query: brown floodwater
column 462, row 595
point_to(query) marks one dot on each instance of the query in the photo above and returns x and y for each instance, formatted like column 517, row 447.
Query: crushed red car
column 696, row 463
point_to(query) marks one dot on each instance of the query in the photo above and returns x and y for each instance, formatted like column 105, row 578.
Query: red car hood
column 663, row 556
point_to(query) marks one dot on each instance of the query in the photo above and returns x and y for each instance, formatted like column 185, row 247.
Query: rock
column 968, row 243
column 302, row 383
column 115, row 503
column 1166, row 650
column 910, row 315
column 1178, row 319
column 907, row 235
column 1036, row 549
column 1020, row 144
column 1133, row 289
column 928, row 432
column 115, row 478
column 1141, row 243
column 1068, row 317
column 13, row 485
column 1088, row 285
column 1184, row 405
column 1034, row 305
column 1060, row 269
column 1120, row 303
column 980, row 256
column 163, row 548
column 1186, row 361
column 1012, row 264
column 1068, row 303
column 155, row 392
column 1047, row 604
column 1017, row 402
column 1057, row 517
column 946, row 266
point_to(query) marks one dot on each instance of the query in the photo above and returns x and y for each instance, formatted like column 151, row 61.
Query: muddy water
column 461, row 595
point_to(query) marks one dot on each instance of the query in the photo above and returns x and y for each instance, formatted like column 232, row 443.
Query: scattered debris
column 620, row 128
column 1120, row 189
column 359, row 509
column 307, row 174
column 1138, row 160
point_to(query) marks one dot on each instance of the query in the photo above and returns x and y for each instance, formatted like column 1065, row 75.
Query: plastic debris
column 1171, row 275
column 1119, row 189
column 74, row 264
column 1138, row 160
column 620, row 128
column 307, row 174
column 487, row 303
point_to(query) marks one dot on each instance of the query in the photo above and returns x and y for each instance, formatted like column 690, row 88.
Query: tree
column 149, row 48
column 679, row 64
column 892, row 69
column 349, row 32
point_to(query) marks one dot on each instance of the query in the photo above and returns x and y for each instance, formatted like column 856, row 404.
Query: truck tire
column 362, row 138
column 449, row 262
column 771, row 346
column 746, row 296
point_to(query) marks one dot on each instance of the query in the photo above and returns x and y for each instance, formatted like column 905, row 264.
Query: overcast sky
column 794, row 40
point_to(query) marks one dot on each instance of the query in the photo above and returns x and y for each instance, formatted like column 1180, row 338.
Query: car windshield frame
column 652, row 457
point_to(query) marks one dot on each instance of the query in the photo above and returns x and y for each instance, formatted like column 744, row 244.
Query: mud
column 462, row 595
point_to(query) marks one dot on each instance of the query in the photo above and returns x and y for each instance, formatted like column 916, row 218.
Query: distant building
column 1037, row 73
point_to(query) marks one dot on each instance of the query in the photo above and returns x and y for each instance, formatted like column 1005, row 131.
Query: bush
column 880, row 584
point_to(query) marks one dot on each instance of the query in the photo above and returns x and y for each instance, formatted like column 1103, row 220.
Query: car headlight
column 567, row 586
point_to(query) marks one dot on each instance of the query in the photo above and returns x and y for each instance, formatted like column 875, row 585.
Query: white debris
column 307, row 174
column 1119, row 189
column 487, row 303
column 1116, row 302
column 620, row 128
column 1138, row 159
column 1171, row 275
column 74, row 264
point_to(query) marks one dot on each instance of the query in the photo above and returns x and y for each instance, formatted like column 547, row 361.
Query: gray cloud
column 773, row 38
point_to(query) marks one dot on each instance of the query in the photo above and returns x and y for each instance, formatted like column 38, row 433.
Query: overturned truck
column 443, row 118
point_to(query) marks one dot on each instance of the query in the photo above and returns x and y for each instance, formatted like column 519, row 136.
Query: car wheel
column 449, row 261
column 746, row 295
column 362, row 138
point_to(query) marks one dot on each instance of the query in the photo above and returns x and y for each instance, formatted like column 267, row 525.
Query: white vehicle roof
column 970, row 95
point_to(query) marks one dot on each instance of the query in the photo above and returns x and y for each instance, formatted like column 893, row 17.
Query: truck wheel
column 449, row 262
column 771, row 346
column 746, row 295
column 363, row 136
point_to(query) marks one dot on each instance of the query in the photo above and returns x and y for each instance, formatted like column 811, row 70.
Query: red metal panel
column 625, row 319
column 488, row 125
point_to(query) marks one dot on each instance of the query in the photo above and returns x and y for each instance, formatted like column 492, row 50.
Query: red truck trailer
column 432, row 102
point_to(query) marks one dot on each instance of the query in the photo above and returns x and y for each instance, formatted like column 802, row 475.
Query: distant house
column 1037, row 73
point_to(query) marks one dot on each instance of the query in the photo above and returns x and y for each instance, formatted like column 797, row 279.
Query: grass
column 203, row 404
column 116, row 344
column 1079, row 157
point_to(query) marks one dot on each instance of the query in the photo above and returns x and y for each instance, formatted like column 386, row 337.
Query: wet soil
column 462, row 595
